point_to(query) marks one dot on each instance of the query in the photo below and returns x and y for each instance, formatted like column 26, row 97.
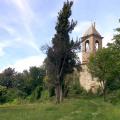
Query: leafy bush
column 13, row 94
column 45, row 95
column 3, row 92
column 114, row 97
column 36, row 93
column 72, row 84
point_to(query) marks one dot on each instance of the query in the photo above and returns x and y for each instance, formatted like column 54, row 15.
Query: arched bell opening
column 87, row 46
column 96, row 45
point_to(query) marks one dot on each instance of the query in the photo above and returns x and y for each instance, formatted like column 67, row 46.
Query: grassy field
column 72, row 109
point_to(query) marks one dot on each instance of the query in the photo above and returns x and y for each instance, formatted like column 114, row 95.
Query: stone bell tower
column 91, row 42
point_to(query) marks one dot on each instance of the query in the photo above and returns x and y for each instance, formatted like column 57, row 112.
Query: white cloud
column 26, row 12
column 27, row 17
column 24, row 8
column 107, row 39
column 18, row 39
column 3, row 45
column 28, row 41
column 82, row 27
column 2, row 53
column 26, row 63
column 75, row 1
column 7, row 28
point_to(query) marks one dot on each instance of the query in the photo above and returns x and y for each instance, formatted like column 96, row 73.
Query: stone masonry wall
column 87, row 81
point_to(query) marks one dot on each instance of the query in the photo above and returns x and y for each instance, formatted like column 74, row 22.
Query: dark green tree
column 115, row 46
column 20, row 84
column 31, row 79
column 37, row 75
column 61, row 56
column 3, row 92
column 7, row 77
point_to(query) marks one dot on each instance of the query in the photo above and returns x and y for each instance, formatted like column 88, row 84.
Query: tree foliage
column 105, row 65
column 15, row 85
column 7, row 77
column 3, row 91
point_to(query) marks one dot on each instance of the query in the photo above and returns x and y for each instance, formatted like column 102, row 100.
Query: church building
column 91, row 42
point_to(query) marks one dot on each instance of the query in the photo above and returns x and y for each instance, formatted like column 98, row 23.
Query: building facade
column 91, row 42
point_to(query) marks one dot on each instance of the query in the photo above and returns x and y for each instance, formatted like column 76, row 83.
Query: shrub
column 45, row 95
column 3, row 92
column 114, row 97
column 36, row 94
column 14, row 94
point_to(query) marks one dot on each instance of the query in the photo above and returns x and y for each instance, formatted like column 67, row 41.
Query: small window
column 87, row 46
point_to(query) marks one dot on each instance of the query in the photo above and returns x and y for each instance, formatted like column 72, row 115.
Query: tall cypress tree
column 61, row 56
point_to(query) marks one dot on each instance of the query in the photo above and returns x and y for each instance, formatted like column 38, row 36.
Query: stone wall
column 87, row 81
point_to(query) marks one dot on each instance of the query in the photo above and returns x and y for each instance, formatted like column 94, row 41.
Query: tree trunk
column 104, row 91
column 104, row 94
column 65, row 91
column 59, row 93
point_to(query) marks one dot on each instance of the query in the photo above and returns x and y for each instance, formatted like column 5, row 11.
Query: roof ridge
column 91, row 30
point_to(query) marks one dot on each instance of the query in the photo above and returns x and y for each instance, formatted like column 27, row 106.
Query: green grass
column 72, row 109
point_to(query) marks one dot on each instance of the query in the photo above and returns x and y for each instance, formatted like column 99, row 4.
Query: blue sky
column 26, row 25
